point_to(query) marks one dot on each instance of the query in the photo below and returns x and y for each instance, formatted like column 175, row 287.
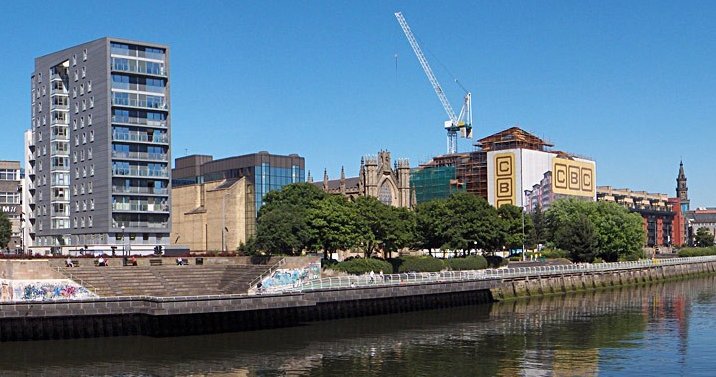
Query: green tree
column 283, row 220
column 537, row 233
column 514, row 235
column 579, row 238
column 373, row 223
column 618, row 232
column 401, row 224
column 5, row 230
column 333, row 225
column 431, row 224
column 703, row 237
column 472, row 222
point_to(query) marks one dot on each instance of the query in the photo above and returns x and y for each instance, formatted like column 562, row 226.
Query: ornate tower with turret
column 402, row 167
column 370, row 175
column 682, row 191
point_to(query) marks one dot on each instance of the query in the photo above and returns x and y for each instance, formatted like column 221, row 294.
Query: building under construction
column 479, row 172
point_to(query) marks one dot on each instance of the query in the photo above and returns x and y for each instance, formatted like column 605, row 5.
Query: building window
column 77, row 140
column 91, row 204
column 84, row 138
column 89, row 221
column 77, row 107
column 89, row 154
column 74, row 124
column 82, row 122
column 74, row 92
column 84, row 72
column 82, row 188
column 74, row 60
column 77, row 173
column 74, row 190
column 91, row 170
column 39, row 107
column 77, row 205
column 84, row 55
column 39, row 136
column 74, row 156
column 89, row 187
column 82, row 155
column 92, row 102
column 82, row 222
column 77, row 75
column 39, row 166
column 89, row 117
column 84, row 171
column 84, row 105
column 74, row 222
column 89, row 86
column 44, row 90
column 84, row 205
column 82, row 89
column 91, row 136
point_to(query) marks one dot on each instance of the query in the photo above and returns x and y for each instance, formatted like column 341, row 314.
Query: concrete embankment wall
column 155, row 316
column 558, row 284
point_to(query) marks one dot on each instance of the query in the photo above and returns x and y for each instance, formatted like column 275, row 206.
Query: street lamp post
column 124, row 248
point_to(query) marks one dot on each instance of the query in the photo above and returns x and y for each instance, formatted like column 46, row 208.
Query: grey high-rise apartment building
column 98, row 150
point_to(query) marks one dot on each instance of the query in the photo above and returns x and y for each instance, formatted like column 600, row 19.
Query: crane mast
column 463, row 122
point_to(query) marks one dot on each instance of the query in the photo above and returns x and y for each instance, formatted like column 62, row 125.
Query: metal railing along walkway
column 371, row 280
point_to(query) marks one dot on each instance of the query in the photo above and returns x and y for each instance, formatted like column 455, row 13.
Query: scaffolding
column 434, row 182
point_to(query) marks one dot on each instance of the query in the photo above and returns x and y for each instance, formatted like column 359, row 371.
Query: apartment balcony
column 139, row 190
column 65, row 107
column 140, row 172
column 140, row 137
column 54, row 137
column 135, row 68
column 139, row 156
column 65, row 213
column 137, row 53
column 139, row 224
column 140, row 207
column 139, row 121
column 140, row 104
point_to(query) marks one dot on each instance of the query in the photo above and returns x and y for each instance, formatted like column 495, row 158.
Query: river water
column 666, row 329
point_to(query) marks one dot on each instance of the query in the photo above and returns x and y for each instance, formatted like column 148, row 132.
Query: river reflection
column 656, row 330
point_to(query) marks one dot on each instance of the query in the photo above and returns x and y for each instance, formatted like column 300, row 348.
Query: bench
column 155, row 262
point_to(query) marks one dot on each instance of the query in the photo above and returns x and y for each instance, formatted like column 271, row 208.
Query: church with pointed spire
column 378, row 177
column 682, row 191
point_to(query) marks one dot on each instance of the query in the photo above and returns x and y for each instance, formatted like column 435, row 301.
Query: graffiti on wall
column 294, row 277
column 42, row 290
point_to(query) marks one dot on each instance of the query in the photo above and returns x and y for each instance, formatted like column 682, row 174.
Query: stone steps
column 167, row 280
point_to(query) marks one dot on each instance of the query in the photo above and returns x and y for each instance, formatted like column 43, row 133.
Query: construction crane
column 462, row 122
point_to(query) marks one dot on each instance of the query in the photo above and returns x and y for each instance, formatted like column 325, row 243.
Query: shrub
column 358, row 266
column 553, row 253
column 697, row 251
column 473, row 262
column 418, row 264
column 495, row 261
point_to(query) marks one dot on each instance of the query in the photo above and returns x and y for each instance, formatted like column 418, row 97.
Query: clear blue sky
column 630, row 84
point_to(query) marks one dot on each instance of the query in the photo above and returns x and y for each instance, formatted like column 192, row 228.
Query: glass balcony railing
column 139, row 53
column 139, row 136
column 140, row 155
column 134, row 68
column 138, row 103
column 139, row 190
column 58, row 106
column 59, row 137
column 138, row 224
column 140, row 172
column 139, row 121
column 140, row 207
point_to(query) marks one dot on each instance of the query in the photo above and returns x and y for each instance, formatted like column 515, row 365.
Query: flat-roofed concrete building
column 10, row 188
column 215, row 202
column 98, row 148
column 655, row 209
